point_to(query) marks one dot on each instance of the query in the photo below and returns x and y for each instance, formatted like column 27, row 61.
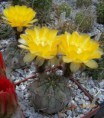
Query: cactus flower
column 41, row 42
column 79, row 49
column 19, row 16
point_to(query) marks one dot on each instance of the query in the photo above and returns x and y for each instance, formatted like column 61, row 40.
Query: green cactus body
column 14, row 55
column 85, row 3
column 18, row 2
column 100, row 13
column 64, row 7
column 84, row 21
column 5, row 30
column 43, row 9
column 50, row 93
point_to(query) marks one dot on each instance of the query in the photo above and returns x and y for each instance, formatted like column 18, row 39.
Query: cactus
column 86, row 3
column 43, row 8
column 64, row 7
column 14, row 56
column 100, row 13
column 50, row 93
column 68, row 26
column 18, row 2
column 84, row 21
column 5, row 30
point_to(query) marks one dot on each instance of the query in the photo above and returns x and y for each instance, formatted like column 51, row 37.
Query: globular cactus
column 84, row 20
column 64, row 7
column 50, row 94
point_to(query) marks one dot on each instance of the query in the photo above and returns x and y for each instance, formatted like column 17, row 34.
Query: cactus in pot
column 50, row 93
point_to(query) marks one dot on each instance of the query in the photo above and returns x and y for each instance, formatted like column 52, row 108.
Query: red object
column 2, row 66
column 8, row 99
column 1, row 61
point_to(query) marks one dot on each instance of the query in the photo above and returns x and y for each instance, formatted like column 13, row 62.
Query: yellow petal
column 19, row 29
column 34, row 20
column 66, row 59
column 91, row 64
column 39, row 61
column 28, row 57
column 22, row 46
column 22, row 41
column 75, row 67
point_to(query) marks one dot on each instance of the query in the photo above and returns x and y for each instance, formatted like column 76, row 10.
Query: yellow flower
column 77, row 49
column 19, row 16
column 40, row 42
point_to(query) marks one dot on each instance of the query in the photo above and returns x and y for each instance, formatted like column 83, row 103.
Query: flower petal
column 22, row 41
column 39, row 61
column 28, row 57
column 91, row 64
column 22, row 46
column 75, row 67
column 19, row 29
column 66, row 59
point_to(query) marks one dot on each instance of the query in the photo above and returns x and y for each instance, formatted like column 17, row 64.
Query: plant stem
column 17, row 33
column 66, row 71
column 41, row 68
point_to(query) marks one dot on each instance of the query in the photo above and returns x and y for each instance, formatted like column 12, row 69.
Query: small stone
column 79, row 116
column 75, row 86
column 102, row 84
column 85, row 111
column 69, row 117
column 69, row 112
column 59, row 72
column 86, row 98
column 92, row 91
column 72, row 103
column 61, row 115
column 23, row 107
column 23, row 87
column 76, row 98
column 79, row 110
column 46, row 117
column 55, row 116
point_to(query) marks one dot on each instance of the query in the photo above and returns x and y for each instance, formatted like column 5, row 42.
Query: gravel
column 79, row 100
